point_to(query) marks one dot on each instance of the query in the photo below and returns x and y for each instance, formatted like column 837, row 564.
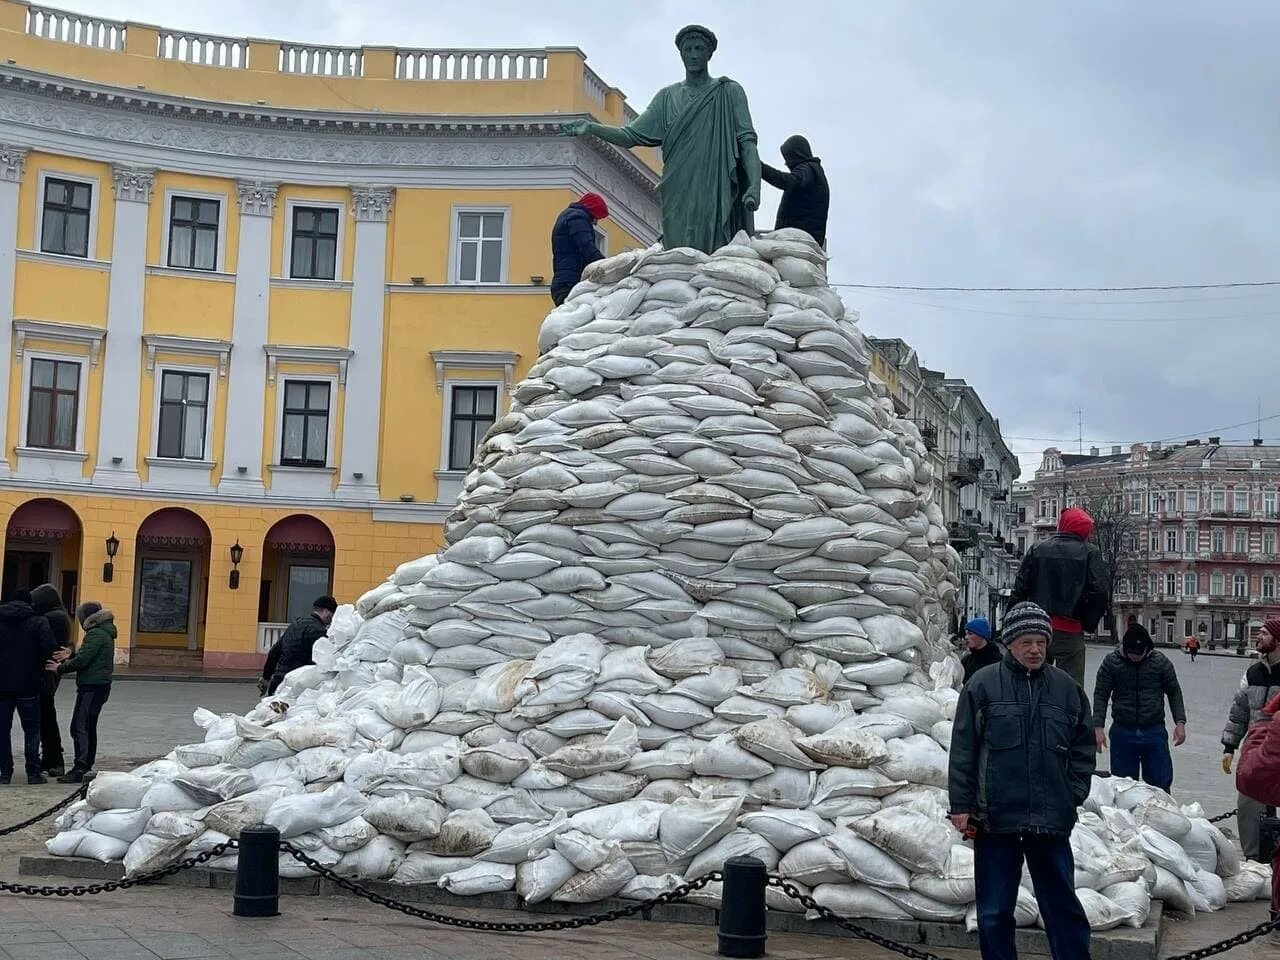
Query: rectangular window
column 1216, row 584
column 193, row 233
column 1241, row 501
column 1135, row 502
column 1240, row 541
column 65, row 219
column 1153, row 502
column 1219, row 499
column 1171, row 540
column 1269, row 542
column 1239, row 586
column 1171, row 584
column 53, row 404
column 1189, row 584
column 470, row 416
column 1192, row 501
column 1154, row 542
column 164, row 596
column 1219, row 542
column 305, row 429
column 306, row 582
column 1186, row 628
column 184, row 403
column 314, row 253
column 480, row 247
column 1268, row 587
column 1192, row 541
column 1269, row 503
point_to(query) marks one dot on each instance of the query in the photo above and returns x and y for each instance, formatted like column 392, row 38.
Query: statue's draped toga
column 701, row 131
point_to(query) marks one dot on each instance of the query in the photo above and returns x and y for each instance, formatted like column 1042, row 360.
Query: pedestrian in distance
column 1066, row 576
column 1261, row 685
column 806, row 198
column 573, row 243
column 1193, row 647
column 27, row 642
column 93, row 664
column 1022, row 756
column 48, row 603
column 1136, row 680
column 1259, row 776
column 294, row 648
column 983, row 650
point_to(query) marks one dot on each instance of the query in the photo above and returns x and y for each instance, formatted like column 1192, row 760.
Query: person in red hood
column 1258, row 776
column 1065, row 575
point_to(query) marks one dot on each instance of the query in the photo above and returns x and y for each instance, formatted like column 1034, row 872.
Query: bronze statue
column 711, row 167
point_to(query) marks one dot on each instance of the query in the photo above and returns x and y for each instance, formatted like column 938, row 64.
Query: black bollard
column 742, row 908
column 258, row 872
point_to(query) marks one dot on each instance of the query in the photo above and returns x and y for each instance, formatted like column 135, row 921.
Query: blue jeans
column 1145, row 749
column 998, row 861
column 29, row 713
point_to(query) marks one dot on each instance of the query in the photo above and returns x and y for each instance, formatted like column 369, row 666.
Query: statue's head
column 696, row 45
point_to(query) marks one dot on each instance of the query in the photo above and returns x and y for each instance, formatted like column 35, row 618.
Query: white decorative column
column 242, row 448
column 122, row 376
column 371, row 207
column 13, row 161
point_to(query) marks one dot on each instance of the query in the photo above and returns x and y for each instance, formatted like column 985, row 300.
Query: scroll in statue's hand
column 751, row 200
column 574, row 128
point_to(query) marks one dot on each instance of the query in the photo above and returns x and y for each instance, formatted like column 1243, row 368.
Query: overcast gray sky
column 977, row 144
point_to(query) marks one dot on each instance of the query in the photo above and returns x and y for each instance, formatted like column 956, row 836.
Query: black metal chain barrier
column 1222, row 816
column 492, row 926
column 1222, row 946
column 45, row 814
column 110, row 886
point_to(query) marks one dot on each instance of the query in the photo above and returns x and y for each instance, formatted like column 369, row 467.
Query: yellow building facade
column 263, row 300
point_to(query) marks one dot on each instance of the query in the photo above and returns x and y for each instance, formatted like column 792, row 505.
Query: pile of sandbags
column 691, row 606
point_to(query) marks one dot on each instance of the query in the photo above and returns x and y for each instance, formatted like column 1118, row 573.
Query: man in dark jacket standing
column 983, row 651
column 48, row 604
column 93, row 665
column 1022, row 756
column 1261, row 685
column 1066, row 576
column 573, row 243
column 27, row 643
column 293, row 649
column 1136, row 679
column 805, row 194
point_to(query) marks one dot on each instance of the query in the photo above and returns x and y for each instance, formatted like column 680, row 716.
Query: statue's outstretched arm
column 751, row 167
column 618, row 136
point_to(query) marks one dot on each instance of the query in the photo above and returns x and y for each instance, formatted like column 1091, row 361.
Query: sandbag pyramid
column 692, row 606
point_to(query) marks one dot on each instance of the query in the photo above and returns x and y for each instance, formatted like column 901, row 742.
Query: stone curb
column 1124, row 943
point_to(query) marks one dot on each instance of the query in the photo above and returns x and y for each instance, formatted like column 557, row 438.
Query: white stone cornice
column 13, row 161
column 133, row 184
column 257, row 197
column 74, row 333
column 338, row 356
column 504, row 360
column 186, row 346
column 371, row 203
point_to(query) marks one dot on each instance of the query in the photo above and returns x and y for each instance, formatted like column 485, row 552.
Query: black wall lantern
column 237, row 554
column 108, row 568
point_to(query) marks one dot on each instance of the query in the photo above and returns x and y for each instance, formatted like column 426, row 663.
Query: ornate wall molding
column 371, row 203
column 257, row 197
column 13, row 161
column 133, row 183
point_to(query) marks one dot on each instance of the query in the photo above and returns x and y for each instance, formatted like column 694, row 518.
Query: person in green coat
column 92, row 664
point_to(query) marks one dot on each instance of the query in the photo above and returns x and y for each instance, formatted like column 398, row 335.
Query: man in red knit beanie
column 573, row 243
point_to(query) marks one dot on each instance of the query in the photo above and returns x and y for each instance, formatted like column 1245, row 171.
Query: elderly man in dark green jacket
column 1022, row 756
column 92, row 664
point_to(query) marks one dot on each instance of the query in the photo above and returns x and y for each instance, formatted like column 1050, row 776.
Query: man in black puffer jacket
column 48, row 604
column 806, row 197
column 26, row 643
column 294, row 648
column 1136, row 679
column 573, row 243
column 1022, row 756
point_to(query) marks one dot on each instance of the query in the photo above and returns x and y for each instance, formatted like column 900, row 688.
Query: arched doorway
column 297, row 567
column 42, row 545
column 171, row 581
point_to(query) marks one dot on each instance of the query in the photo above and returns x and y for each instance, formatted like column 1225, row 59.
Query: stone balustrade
column 75, row 28
column 203, row 49
column 321, row 61
column 471, row 64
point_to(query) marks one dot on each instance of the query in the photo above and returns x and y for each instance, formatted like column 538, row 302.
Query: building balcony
column 960, row 535
column 928, row 433
column 963, row 471
column 1045, row 522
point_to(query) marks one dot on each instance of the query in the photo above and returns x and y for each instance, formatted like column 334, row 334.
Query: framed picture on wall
column 164, row 596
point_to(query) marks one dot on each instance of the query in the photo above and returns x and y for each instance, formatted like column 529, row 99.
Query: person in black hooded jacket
column 805, row 194
column 48, row 603
column 27, row 643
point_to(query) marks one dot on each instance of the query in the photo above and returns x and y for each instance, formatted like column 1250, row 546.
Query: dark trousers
column 50, row 735
column 29, row 713
column 84, row 724
column 1066, row 652
column 1144, row 749
column 559, row 296
column 998, row 859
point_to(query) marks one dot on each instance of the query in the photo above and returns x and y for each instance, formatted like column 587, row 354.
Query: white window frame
column 1171, row 540
column 449, row 482
column 1268, row 586
column 286, row 252
column 1238, row 536
column 1269, row 503
column 95, row 201
column 455, row 217
column 1189, row 578
column 211, row 373
column 1217, row 584
column 1271, row 549
column 82, row 404
column 220, row 248
column 1216, row 545
column 1218, row 492
column 1235, row 501
column 1235, row 586
column 1171, row 584
column 330, row 454
column 1191, row 501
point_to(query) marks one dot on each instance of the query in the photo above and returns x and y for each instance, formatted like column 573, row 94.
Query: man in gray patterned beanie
column 1022, row 756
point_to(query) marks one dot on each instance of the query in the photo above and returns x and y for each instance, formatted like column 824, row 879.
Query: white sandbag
column 774, row 740
column 116, row 791
column 124, row 825
column 1240, row 888
column 1173, row 890
column 916, row 759
column 687, row 827
column 909, row 837
column 599, row 883
column 232, row 816
column 463, row 833
column 542, row 875
column 1210, row 886
column 1103, row 913
column 858, row 901
column 419, row 867
column 1131, row 897
column 1166, row 853
column 376, row 860
column 868, row 863
column 478, row 879
column 1230, row 857
column 738, row 843
column 348, row 836
column 296, row 815
column 814, row 862
column 785, row 829
column 1198, row 842
column 522, row 841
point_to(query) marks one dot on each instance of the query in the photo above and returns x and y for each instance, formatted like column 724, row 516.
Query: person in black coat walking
column 983, row 650
column 805, row 194
column 27, row 643
column 293, row 649
column 573, row 243
column 48, row 603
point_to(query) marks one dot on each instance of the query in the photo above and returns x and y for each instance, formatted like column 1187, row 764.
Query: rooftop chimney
column 1193, row 443
column 1216, row 440
column 1093, row 451
column 1155, row 446
column 1115, row 451
column 1257, row 441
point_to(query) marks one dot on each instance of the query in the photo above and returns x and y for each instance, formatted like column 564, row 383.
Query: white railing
column 75, row 28
column 208, row 51
column 321, row 61
column 268, row 634
column 593, row 85
column 471, row 65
